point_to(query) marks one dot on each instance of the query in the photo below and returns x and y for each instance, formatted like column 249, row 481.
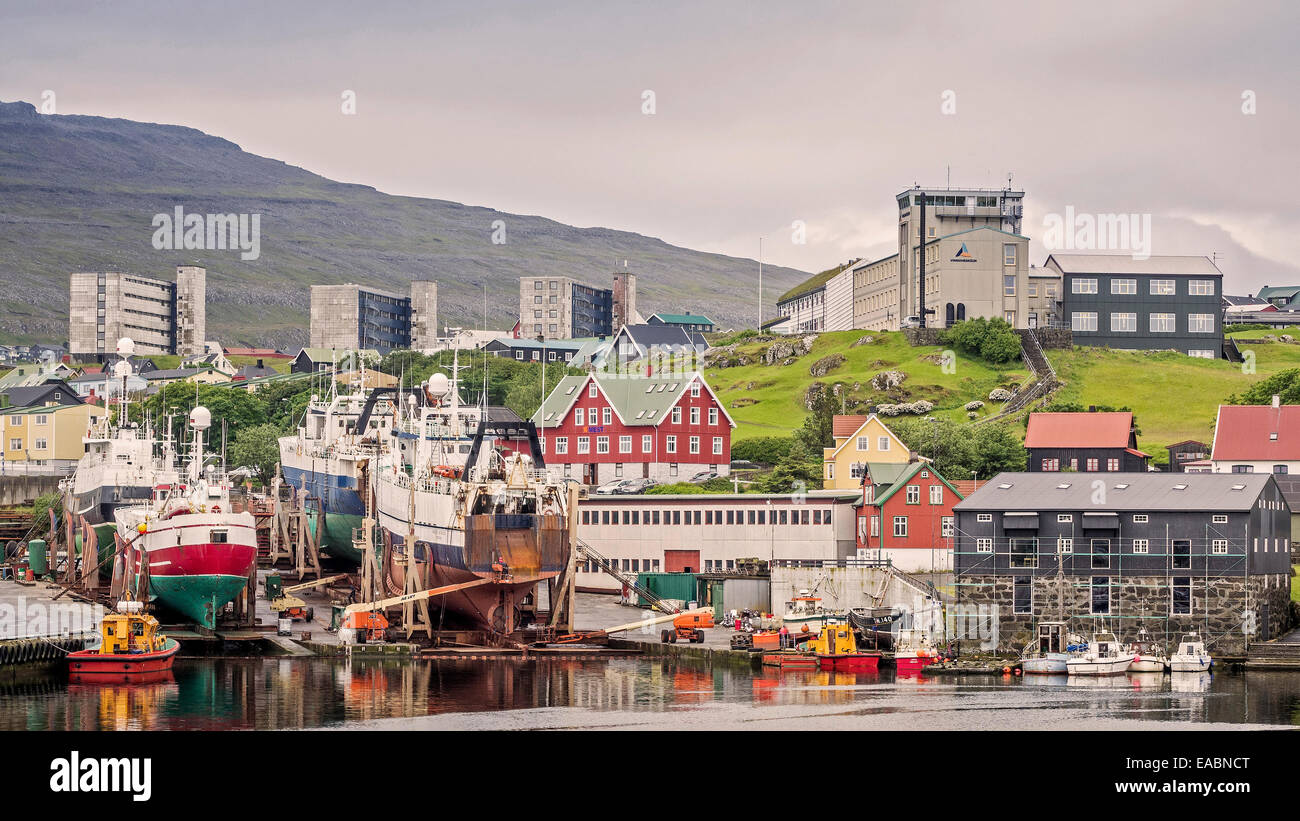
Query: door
column 1033, row 320
column 681, row 561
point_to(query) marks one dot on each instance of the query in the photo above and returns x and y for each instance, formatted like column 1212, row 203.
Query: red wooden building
column 601, row 427
column 906, row 516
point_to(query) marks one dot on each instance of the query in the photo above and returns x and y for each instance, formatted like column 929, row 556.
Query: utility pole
column 760, row 285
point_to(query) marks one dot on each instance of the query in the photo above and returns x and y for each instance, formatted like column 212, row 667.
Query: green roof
column 685, row 319
column 38, row 409
column 812, row 283
column 1287, row 291
column 636, row 400
column 909, row 470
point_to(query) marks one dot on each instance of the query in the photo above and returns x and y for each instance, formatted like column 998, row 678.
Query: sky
column 795, row 122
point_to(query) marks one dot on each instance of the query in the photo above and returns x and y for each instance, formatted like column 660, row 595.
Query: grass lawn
column 777, row 391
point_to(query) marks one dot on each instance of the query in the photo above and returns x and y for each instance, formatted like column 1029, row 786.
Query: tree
column 993, row 340
column 1284, row 384
column 257, row 447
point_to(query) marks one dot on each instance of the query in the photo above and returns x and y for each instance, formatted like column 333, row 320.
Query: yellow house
column 48, row 434
column 858, row 440
column 205, row 375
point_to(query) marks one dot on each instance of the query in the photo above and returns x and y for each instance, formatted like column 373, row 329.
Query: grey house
column 1159, row 303
column 1173, row 552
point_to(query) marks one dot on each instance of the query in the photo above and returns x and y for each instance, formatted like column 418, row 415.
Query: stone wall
column 23, row 490
column 1217, row 607
column 1047, row 337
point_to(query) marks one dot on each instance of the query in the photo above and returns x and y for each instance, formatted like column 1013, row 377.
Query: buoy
column 1006, row 669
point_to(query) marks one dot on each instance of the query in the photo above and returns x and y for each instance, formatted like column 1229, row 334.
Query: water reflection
column 210, row 694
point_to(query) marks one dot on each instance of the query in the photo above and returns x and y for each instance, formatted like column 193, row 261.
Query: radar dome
column 200, row 418
column 438, row 384
column 122, row 368
column 125, row 346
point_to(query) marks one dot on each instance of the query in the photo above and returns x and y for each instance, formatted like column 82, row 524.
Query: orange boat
column 837, row 649
column 131, row 648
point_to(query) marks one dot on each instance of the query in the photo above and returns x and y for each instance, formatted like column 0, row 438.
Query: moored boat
column 1047, row 654
column 1148, row 655
column 913, row 651
column 791, row 659
column 1191, row 657
column 804, row 614
column 836, row 649
column 1103, row 656
column 195, row 553
column 130, row 649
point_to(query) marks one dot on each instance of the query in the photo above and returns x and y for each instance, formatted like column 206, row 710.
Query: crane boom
column 317, row 583
column 382, row 604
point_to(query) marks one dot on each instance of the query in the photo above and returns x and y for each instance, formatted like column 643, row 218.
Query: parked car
column 704, row 476
column 632, row 486
column 912, row 322
column 612, row 487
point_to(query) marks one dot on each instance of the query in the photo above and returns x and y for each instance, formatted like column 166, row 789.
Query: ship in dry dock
column 493, row 516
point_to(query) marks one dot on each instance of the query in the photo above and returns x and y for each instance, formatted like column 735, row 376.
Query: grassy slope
column 778, row 390
column 1175, row 397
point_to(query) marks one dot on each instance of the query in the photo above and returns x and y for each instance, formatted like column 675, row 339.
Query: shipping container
column 667, row 586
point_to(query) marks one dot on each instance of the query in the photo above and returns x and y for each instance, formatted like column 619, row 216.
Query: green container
column 37, row 557
column 667, row 586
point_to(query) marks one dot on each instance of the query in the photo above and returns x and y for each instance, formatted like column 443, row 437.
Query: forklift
column 290, row 607
column 688, row 627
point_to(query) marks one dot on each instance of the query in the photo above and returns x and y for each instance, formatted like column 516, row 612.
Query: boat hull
column 791, row 660
column 1189, row 665
column 1147, row 664
column 913, row 664
column 1050, row 664
column 340, row 498
column 850, row 662
column 1099, row 667
column 89, row 666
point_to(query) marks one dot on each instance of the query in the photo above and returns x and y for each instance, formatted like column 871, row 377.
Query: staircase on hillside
column 1045, row 381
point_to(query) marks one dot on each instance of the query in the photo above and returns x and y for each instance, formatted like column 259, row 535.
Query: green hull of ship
column 337, row 539
column 199, row 597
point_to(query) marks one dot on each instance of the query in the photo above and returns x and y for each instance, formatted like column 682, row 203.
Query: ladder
column 607, row 565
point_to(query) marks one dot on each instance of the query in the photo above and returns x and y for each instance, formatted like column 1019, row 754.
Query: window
column 584, row 444
column 1024, row 553
column 625, row 444
column 717, row 446
column 1065, row 545
column 1200, row 287
column 40, row 444
column 1009, row 253
column 647, row 443
column 1181, row 600
column 578, row 417
column 695, row 389
column 561, row 445
column 591, row 390
column 15, row 444
column 1124, row 323
column 1200, row 323
column 946, row 527
column 883, row 443
column 1162, row 287
column 1033, row 289
column 670, row 444
column 984, row 517
column 1220, row 519
column 1065, row 517
column 713, row 416
column 900, row 525
column 1243, row 468
column 1123, row 286
column 1112, row 465
column 1083, row 286
column 875, row 525
column 695, row 444
column 1279, row 469
column 983, row 545
column 42, row 419
column 1083, row 320
column 1139, row 518
column 1100, row 554
column 1024, row 594
column 1093, row 465
column 1182, row 554
column 1051, row 465
column 1141, row 546
column 936, row 494
column 677, row 416
column 1009, row 285
column 1219, row 547
column 1100, row 595
column 220, row 536
column 913, row 494
column 695, row 416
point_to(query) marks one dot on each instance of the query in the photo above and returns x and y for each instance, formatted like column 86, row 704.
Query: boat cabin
column 1191, row 645
column 834, row 640
column 1052, row 637
column 129, row 631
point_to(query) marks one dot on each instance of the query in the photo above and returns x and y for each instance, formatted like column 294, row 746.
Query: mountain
column 80, row 193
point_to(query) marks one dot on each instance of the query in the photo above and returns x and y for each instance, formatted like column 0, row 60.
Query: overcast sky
column 764, row 112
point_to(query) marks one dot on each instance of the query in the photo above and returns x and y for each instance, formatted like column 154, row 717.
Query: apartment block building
column 564, row 308
column 356, row 317
column 160, row 316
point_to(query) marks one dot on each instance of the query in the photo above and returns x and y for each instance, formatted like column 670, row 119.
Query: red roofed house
column 1261, row 439
column 906, row 516
column 604, row 427
column 1085, row 442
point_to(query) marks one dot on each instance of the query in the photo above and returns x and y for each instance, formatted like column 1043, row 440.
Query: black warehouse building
column 1158, row 303
column 1172, row 552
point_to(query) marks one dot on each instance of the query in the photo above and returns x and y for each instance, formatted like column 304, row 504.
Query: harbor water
column 633, row 693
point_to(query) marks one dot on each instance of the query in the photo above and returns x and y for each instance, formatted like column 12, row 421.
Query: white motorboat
column 1046, row 655
column 804, row 614
column 1191, row 656
column 1104, row 656
column 1148, row 655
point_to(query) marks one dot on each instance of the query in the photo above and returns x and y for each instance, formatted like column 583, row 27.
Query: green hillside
column 1175, row 397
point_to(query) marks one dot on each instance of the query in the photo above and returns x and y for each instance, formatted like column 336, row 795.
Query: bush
column 1246, row 326
column 992, row 340
column 999, row 395
column 762, row 450
column 675, row 487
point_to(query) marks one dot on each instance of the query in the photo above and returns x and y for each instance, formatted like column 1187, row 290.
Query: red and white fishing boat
column 196, row 553
column 913, row 651
column 130, row 649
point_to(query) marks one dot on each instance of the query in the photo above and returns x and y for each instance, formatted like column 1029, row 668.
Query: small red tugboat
column 131, row 649
column 837, row 649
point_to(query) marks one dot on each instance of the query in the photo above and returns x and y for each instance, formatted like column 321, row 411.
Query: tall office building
column 354, row 317
column 424, row 314
column 159, row 316
column 624, row 302
column 563, row 308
